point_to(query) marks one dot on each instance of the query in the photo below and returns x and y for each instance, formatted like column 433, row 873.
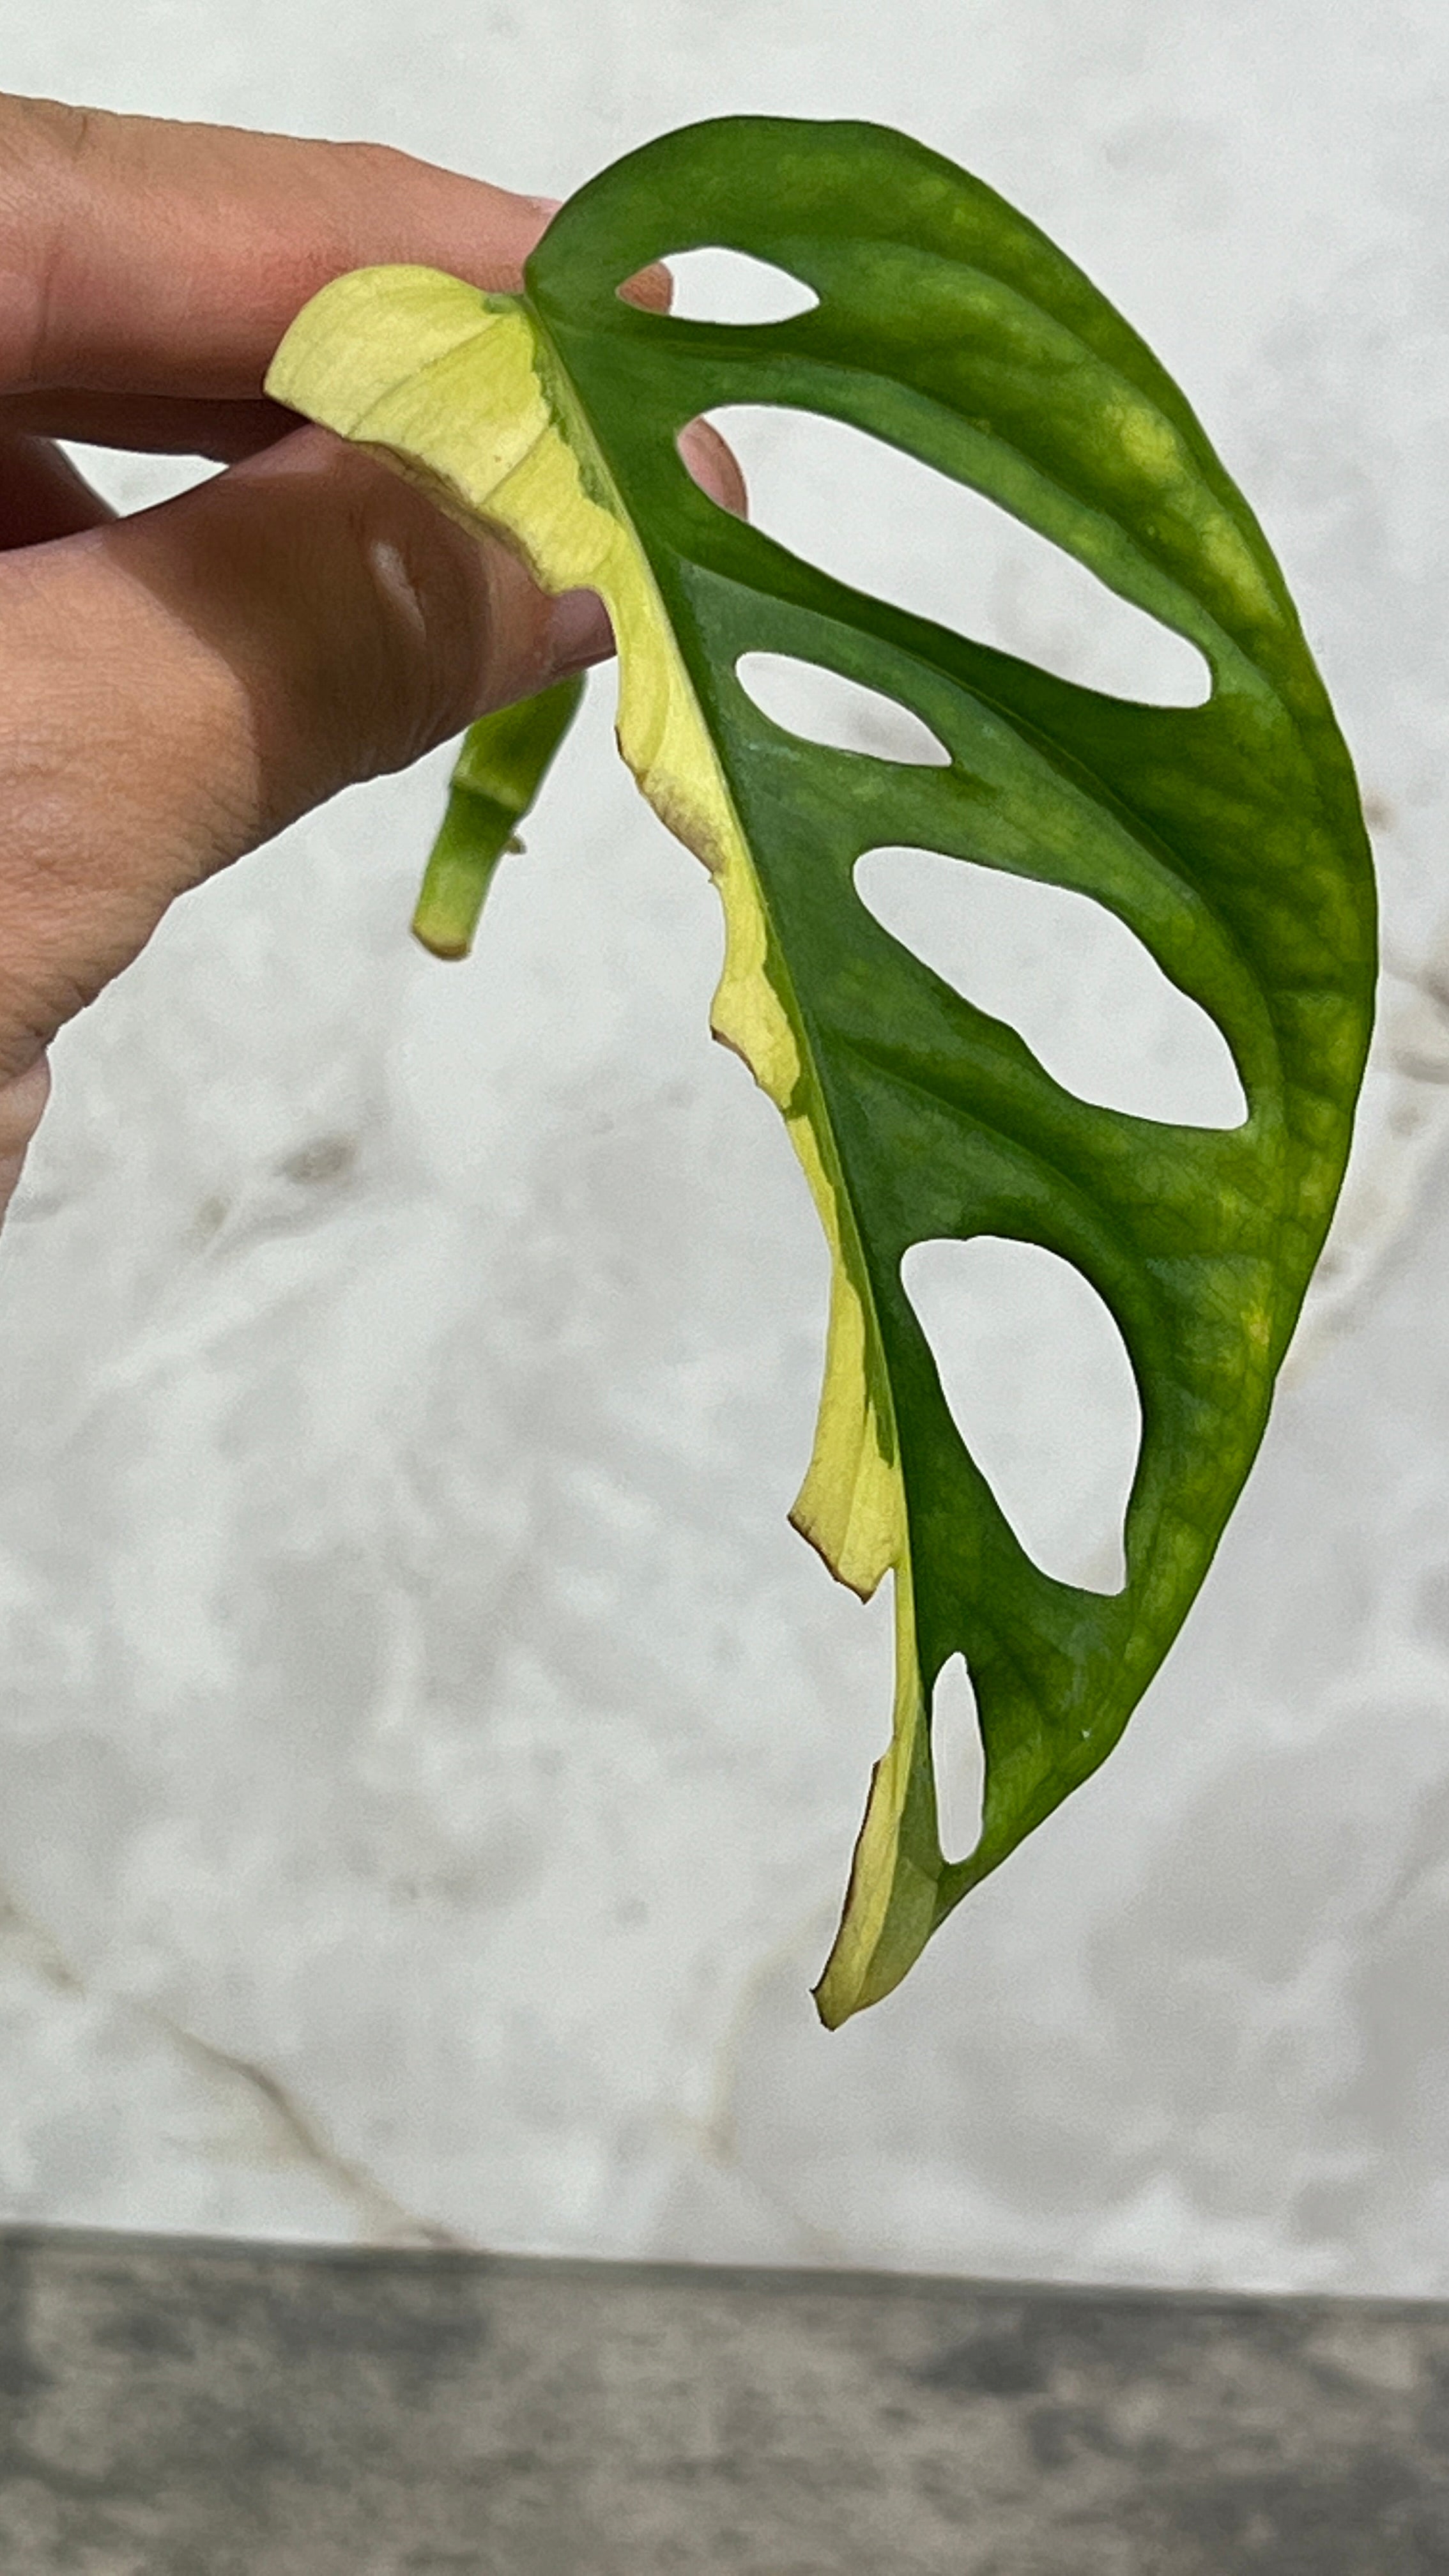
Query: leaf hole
column 823, row 706
column 889, row 525
column 958, row 1759
column 717, row 285
column 1037, row 1379
column 1081, row 988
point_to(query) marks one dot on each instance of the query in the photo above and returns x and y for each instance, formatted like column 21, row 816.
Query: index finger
column 147, row 257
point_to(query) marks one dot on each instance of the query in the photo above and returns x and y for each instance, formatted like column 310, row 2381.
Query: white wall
column 430, row 1762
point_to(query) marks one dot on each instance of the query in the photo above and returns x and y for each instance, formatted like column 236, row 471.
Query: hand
column 177, row 686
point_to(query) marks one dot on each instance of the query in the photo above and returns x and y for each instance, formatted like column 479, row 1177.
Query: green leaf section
column 1227, row 837
column 500, row 768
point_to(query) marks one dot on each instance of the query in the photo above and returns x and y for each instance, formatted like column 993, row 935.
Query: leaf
column 1226, row 836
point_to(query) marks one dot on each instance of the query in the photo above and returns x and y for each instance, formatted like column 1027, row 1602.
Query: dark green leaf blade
column 1228, row 837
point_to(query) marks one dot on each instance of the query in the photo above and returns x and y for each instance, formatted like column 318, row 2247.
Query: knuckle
column 428, row 620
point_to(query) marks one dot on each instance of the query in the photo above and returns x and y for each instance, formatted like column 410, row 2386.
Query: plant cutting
column 1227, row 837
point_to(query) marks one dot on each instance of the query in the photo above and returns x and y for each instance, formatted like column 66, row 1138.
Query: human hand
column 177, row 686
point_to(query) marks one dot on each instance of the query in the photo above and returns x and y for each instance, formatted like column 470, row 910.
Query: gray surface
column 187, row 2409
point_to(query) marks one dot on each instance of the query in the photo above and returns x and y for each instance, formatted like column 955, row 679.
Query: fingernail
column 578, row 631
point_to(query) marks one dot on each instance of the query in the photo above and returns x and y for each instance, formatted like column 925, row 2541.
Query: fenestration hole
column 958, row 1759
column 822, row 706
column 718, row 285
column 1089, row 998
column 1038, row 1383
column 900, row 530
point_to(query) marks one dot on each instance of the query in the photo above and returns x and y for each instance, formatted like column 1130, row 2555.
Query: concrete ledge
column 175, row 2408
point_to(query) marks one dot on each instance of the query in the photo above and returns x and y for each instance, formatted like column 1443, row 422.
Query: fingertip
column 714, row 467
column 578, row 633
column 652, row 288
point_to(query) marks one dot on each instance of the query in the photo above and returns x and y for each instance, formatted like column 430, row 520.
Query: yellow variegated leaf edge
column 453, row 387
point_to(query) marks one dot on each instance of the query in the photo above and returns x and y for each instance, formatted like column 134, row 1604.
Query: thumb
column 179, row 685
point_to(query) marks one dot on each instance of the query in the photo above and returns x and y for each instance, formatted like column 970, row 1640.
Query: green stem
column 500, row 768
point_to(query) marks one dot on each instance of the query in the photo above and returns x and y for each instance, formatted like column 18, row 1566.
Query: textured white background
column 429, row 1761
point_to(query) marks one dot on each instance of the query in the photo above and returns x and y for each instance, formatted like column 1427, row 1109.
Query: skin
column 177, row 686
